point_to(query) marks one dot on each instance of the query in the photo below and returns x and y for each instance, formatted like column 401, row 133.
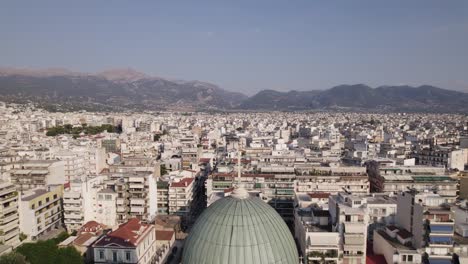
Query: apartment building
column 74, row 164
column 350, row 219
column 420, row 178
column 429, row 222
column 181, row 196
column 332, row 180
column 313, row 232
column 275, row 189
column 80, row 203
column 105, row 210
column 395, row 245
column 163, row 197
column 40, row 211
column 136, row 194
column 9, row 216
column 27, row 175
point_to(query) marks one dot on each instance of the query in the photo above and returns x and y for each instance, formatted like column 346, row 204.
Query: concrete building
column 132, row 242
column 316, row 241
column 430, row 224
column 79, row 201
column 27, row 175
column 9, row 216
column 40, row 211
column 350, row 219
column 181, row 196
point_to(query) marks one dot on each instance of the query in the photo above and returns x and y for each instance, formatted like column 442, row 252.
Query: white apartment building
column 350, row 220
column 431, row 225
column 9, row 216
column 136, row 194
column 40, row 211
column 79, row 201
column 316, row 240
column 74, row 164
column 181, row 196
column 105, row 210
column 27, row 175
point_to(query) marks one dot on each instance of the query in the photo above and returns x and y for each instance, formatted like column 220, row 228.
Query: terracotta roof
column 91, row 227
column 228, row 190
column 81, row 239
column 164, row 235
column 126, row 235
column 182, row 183
column 319, row 195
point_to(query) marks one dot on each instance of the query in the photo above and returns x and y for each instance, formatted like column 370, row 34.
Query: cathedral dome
column 240, row 229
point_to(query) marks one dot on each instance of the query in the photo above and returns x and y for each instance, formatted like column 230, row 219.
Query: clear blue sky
column 246, row 45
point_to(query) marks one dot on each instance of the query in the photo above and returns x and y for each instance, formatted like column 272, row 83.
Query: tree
column 13, row 258
column 163, row 169
column 46, row 252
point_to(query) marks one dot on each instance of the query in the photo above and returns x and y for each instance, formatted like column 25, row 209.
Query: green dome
column 240, row 230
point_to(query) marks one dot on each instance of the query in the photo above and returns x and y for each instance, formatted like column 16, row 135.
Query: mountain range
column 126, row 89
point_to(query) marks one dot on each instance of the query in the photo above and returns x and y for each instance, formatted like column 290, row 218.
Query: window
column 101, row 254
column 348, row 218
column 33, row 206
column 404, row 258
column 40, row 203
column 55, row 196
column 127, row 255
column 410, row 258
column 47, row 199
column 108, row 197
column 114, row 256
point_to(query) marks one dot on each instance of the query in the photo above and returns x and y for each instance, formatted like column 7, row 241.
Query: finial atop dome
column 240, row 192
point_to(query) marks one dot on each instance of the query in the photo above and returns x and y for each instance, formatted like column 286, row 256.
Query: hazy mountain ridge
column 424, row 98
column 121, row 89
column 114, row 89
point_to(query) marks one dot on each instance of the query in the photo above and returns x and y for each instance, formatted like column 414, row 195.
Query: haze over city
column 234, row 132
column 246, row 46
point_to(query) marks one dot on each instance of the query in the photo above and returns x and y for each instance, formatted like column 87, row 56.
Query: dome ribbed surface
column 240, row 231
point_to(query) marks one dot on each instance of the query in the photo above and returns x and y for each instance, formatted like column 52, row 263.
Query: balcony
column 9, row 218
column 441, row 241
column 137, row 186
column 355, row 227
column 139, row 210
column 137, row 201
column 11, row 208
column 441, row 228
column 73, row 216
column 353, row 239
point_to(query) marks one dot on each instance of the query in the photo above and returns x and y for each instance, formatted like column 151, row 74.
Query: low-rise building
column 132, row 242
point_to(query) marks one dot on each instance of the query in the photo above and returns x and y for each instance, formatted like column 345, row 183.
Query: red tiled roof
column 205, row 160
column 182, row 183
column 165, row 235
column 126, row 235
column 81, row 239
column 92, row 227
column 319, row 195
